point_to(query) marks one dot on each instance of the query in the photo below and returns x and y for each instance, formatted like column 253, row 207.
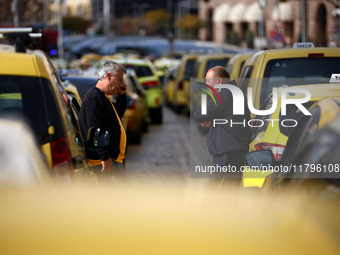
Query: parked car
column 181, row 84
column 264, row 70
column 272, row 131
column 31, row 88
column 169, row 86
column 235, row 64
column 311, row 151
column 202, row 64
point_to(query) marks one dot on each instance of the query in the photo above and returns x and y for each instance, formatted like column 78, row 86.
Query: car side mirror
column 98, row 137
column 260, row 158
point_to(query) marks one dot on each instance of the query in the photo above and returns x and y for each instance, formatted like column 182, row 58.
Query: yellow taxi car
column 134, row 118
column 264, row 70
column 148, row 78
column 272, row 131
column 30, row 87
column 179, row 91
column 314, row 142
column 89, row 60
column 169, row 86
column 235, row 65
column 202, row 64
column 72, row 91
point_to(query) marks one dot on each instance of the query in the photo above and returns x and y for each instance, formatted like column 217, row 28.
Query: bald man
column 227, row 143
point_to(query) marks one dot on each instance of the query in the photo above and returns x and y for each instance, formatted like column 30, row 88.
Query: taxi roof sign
column 303, row 45
column 335, row 78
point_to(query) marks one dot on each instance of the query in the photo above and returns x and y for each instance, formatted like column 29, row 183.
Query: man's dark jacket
column 223, row 138
column 96, row 111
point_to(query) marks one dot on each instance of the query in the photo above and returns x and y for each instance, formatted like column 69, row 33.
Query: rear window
column 30, row 98
column 215, row 62
column 188, row 69
column 292, row 112
column 230, row 68
column 83, row 84
column 297, row 71
column 141, row 71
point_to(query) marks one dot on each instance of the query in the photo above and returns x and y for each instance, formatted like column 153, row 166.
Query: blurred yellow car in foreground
column 21, row 161
column 164, row 218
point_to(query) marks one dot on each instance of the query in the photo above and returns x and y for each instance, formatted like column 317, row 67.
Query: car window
column 141, row 71
column 242, row 64
column 297, row 71
column 131, row 85
column 259, row 119
column 215, row 62
column 230, row 68
column 32, row 98
column 83, row 84
column 294, row 113
column 245, row 78
column 188, row 69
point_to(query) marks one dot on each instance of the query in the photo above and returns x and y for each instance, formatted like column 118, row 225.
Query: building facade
column 241, row 22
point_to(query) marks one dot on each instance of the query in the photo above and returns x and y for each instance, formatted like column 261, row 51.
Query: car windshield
column 298, row 71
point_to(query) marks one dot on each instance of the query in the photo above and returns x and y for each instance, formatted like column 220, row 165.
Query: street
column 164, row 152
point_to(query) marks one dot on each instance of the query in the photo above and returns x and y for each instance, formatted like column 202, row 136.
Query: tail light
column 180, row 85
column 150, row 84
column 131, row 104
column 316, row 55
column 277, row 149
column 61, row 159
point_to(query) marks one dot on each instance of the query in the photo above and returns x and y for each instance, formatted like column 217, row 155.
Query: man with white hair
column 97, row 110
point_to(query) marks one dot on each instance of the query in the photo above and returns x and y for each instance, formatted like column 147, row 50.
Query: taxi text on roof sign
column 335, row 78
column 303, row 45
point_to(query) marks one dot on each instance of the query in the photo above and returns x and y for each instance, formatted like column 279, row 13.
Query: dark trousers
column 232, row 161
column 119, row 173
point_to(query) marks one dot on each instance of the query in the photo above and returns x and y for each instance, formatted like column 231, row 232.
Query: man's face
column 114, row 83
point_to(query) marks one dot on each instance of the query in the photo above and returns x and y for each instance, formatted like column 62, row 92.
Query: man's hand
column 107, row 166
column 206, row 124
column 123, row 89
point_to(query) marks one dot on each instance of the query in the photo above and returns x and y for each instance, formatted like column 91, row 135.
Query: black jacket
column 223, row 138
column 96, row 111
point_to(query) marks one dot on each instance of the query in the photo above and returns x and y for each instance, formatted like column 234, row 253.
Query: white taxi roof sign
column 303, row 45
column 335, row 78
